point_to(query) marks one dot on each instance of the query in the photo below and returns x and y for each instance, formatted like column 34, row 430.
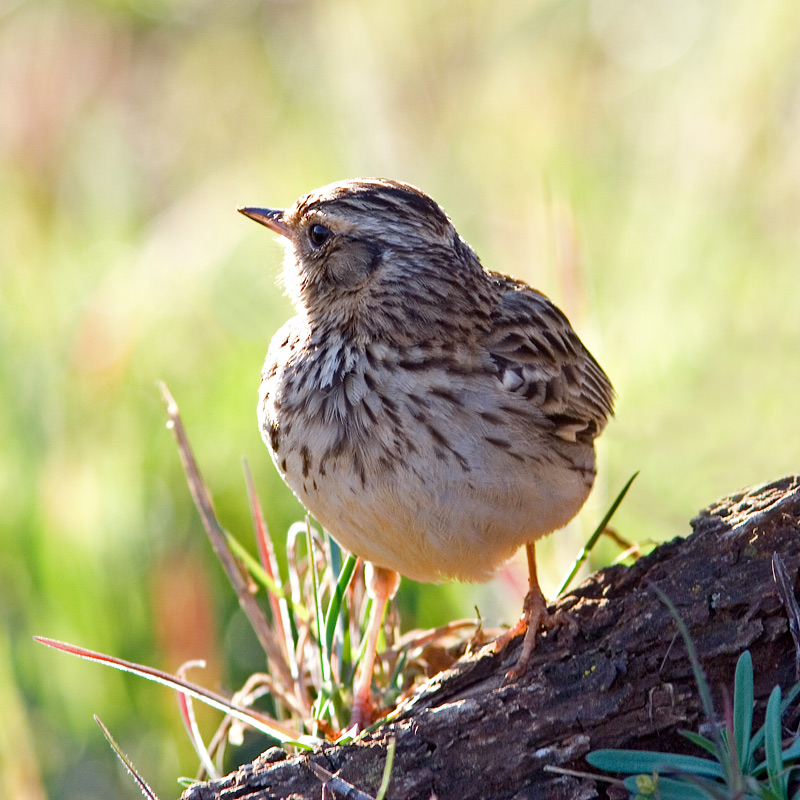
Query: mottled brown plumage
column 434, row 416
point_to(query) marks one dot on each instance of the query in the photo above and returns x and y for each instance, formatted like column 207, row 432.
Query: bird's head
column 355, row 248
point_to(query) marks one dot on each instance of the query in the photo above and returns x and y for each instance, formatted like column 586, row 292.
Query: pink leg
column 534, row 613
column 533, row 609
column 381, row 585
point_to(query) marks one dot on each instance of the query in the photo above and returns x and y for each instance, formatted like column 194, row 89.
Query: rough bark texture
column 619, row 678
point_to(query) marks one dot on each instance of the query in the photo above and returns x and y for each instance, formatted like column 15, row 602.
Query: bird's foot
column 535, row 616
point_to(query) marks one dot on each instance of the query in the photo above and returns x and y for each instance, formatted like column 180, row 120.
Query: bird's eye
column 319, row 234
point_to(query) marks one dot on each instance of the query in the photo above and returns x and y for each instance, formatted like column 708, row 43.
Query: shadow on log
column 619, row 678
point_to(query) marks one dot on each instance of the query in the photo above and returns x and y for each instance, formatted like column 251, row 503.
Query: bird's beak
column 271, row 217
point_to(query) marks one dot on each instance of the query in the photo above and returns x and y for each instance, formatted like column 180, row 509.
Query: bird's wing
column 539, row 357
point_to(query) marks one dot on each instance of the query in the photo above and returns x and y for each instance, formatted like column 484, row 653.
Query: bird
column 433, row 415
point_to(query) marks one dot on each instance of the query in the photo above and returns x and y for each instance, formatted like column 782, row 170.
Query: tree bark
column 618, row 677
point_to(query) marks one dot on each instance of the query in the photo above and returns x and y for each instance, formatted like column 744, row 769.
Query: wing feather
column 540, row 357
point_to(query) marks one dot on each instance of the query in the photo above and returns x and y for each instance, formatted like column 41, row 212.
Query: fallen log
column 618, row 677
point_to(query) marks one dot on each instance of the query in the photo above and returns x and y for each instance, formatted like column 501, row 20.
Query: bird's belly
column 431, row 518
column 431, row 531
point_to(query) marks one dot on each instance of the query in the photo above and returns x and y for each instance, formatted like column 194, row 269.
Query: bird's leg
column 534, row 614
column 381, row 585
column 534, row 608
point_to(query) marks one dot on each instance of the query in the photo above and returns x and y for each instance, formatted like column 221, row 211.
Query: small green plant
column 743, row 765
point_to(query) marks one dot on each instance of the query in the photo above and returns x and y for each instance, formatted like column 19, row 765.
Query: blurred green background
column 639, row 161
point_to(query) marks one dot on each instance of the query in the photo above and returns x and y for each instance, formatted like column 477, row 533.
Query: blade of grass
column 255, row 719
column 257, row 571
column 333, row 622
column 792, row 751
column 335, row 558
column 387, row 770
column 324, row 664
column 300, row 627
column 576, row 773
column 699, row 676
column 333, row 553
column 296, row 534
column 362, row 645
column 598, row 532
column 701, row 741
column 772, row 743
column 266, row 554
column 743, row 708
column 335, row 603
column 190, row 721
column 140, row 781
column 645, row 761
column 758, row 738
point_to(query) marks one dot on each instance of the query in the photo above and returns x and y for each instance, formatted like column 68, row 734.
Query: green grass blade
column 126, row 762
column 743, row 708
column 758, row 739
column 255, row 719
column 334, row 554
column 646, row 761
column 772, row 742
column 699, row 675
column 324, row 655
column 395, row 682
column 362, row 647
column 387, row 770
column 254, row 568
column 335, row 604
column 792, row 751
column 598, row 532
column 700, row 741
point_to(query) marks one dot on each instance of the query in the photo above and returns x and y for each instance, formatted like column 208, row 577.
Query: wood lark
column 433, row 415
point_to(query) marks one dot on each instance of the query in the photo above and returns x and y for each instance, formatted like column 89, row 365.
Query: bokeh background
column 637, row 160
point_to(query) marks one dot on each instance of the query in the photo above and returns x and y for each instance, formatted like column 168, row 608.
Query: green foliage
column 744, row 765
column 599, row 530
